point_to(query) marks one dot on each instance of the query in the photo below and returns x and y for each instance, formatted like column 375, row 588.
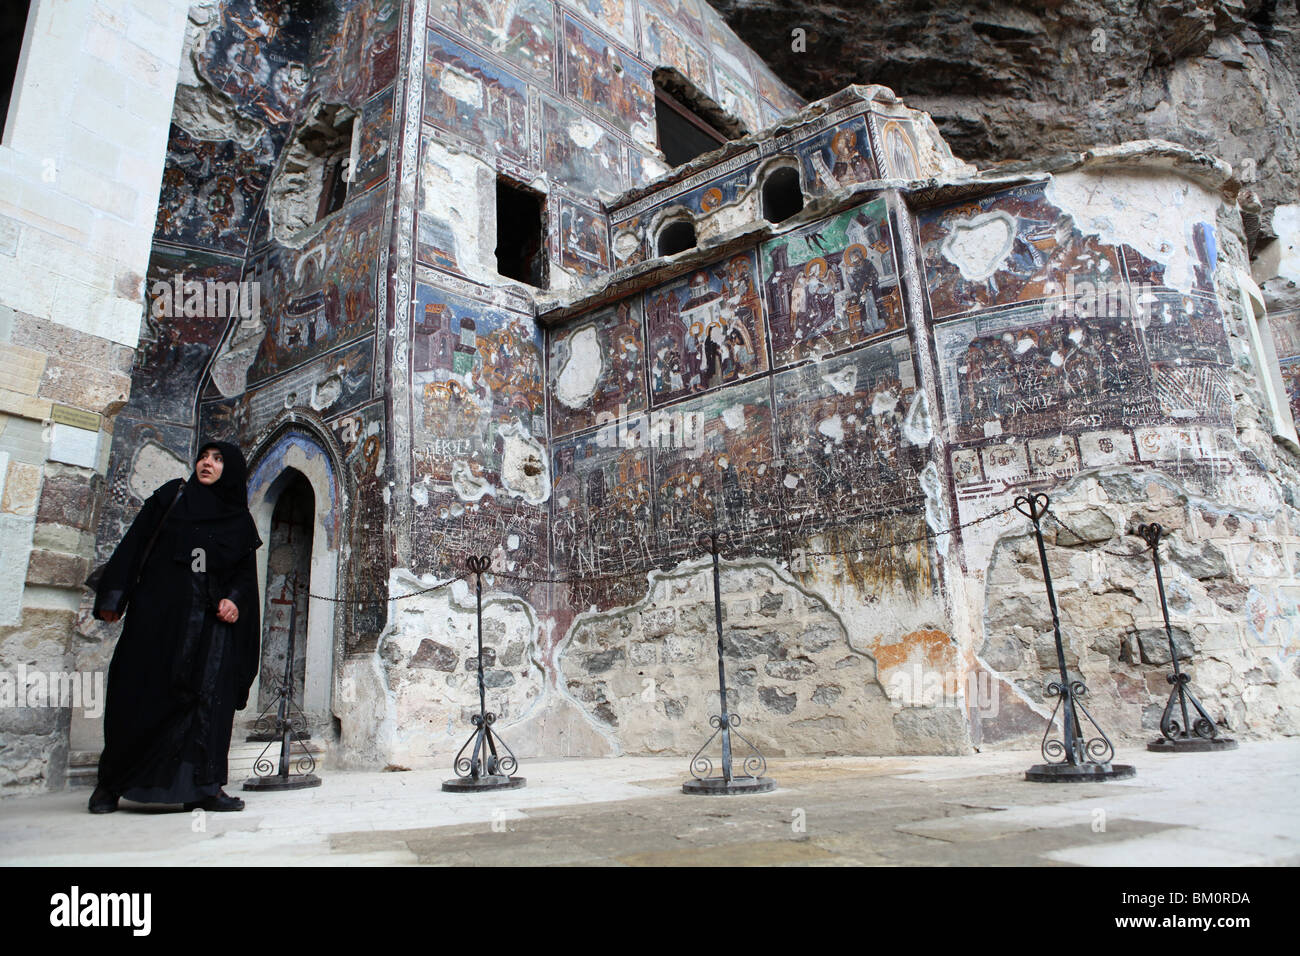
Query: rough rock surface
column 1013, row 79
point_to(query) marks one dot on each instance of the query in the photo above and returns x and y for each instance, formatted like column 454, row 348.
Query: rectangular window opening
column 683, row 132
column 521, row 234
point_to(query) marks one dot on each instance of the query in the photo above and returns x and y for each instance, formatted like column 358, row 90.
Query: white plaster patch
column 1286, row 223
column 523, row 465
column 585, row 133
column 420, row 494
column 467, row 485
column 577, row 379
column 461, row 86
column 979, row 246
column 832, row 428
column 152, row 467
column 917, row 426
column 885, row 401
column 734, row 417
column 843, row 381
column 1154, row 213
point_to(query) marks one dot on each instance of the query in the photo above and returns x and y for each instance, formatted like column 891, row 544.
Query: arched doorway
column 286, row 614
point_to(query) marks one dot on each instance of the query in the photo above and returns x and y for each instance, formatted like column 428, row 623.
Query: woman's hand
column 227, row 611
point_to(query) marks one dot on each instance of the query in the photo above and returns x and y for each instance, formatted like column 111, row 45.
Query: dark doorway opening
column 782, row 197
column 521, row 234
column 288, row 578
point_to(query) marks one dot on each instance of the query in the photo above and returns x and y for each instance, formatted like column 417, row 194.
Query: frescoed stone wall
column 933, row 352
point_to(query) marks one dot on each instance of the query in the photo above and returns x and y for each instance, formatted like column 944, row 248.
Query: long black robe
column 179, row 673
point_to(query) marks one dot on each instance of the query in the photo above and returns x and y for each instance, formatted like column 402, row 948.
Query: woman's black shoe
column 220, row 802
column 102, row 801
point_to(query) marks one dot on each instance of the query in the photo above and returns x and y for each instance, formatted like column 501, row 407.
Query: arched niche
column 291, row 456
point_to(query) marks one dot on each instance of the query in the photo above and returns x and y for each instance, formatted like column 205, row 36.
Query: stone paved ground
column 1226, row 809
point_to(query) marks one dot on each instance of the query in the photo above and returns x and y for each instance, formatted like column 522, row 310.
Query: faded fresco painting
column 522, row 32
column 361, row 58
column 614, row 86
column 597, row 369
column 664, row 43
column 580, row 153
column 1029, row 371
column 705, row 329
column 477, row 378
column 837, row 157
column 467, row 96
column 212, row 212
column 323, row 294
column 898, row 155
column 840, row 424
column 1202, row 257
column 832, row 284
column 177, row 341
column 615, row 17
column 1285, row 328
column 1186, row 343
column 602, row 512
column 716, row 473
column 257, row 56
column 372, row 154
column 736, row 95
column 584, row 239
column 1012, row 246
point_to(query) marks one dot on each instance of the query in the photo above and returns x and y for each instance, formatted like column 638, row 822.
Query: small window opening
column 782, row 197
column 676, row 237
column 313, row 178
column 689, row 124
column 13, row 28
column 521, row 234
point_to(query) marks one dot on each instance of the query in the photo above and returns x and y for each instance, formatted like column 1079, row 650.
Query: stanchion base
column 496, row 781
column 721, row 787
column 1187, row 745
column 294, row 781
column 1078, row 773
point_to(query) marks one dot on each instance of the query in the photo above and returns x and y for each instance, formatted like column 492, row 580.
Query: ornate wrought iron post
column 725, row 722
column 484, row 768
column 1201, row 734
column 1070, row 759
column 287, row 728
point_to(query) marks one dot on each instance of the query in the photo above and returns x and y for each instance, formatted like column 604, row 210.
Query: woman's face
column 209, row 466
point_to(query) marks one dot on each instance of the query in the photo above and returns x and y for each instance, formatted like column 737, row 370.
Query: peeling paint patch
column 979, row 246
column 466, row 484
column 523, row 466
column 1154, row 214
column 582, row 369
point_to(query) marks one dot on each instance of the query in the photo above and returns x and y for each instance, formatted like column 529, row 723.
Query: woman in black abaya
column 190, row 643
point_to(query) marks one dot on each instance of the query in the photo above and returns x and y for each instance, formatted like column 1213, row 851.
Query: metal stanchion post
column 725, row 722
column 288, row 729
column 483, row 768
column 1201, row 734
column 1072, row 758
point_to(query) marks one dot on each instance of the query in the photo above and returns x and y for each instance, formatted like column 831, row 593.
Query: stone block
column 826, row 694
column 1084, row 527
column 56, row 569
column 771, row 604
column 21, row 369
column 791, row 669
column 489, row 659
column 68, row 500
column 1153, row 645
column 658, row 622
column 434, row 655
column 1002, row 653
column 776, row 699
column 498, row 678
column 603, row 661
column 744, row 645
column 643, row 652
column 74, row 446
column 22, row 489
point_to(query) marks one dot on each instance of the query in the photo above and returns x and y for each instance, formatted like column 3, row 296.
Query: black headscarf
column 218, row 513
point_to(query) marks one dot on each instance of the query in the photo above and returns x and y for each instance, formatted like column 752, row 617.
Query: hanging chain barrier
column 1201, row 734
column 1073, row 756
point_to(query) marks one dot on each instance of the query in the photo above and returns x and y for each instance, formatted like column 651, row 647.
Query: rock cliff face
column 1010, row 79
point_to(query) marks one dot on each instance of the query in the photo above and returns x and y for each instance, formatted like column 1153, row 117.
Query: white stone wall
column 80, row 167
